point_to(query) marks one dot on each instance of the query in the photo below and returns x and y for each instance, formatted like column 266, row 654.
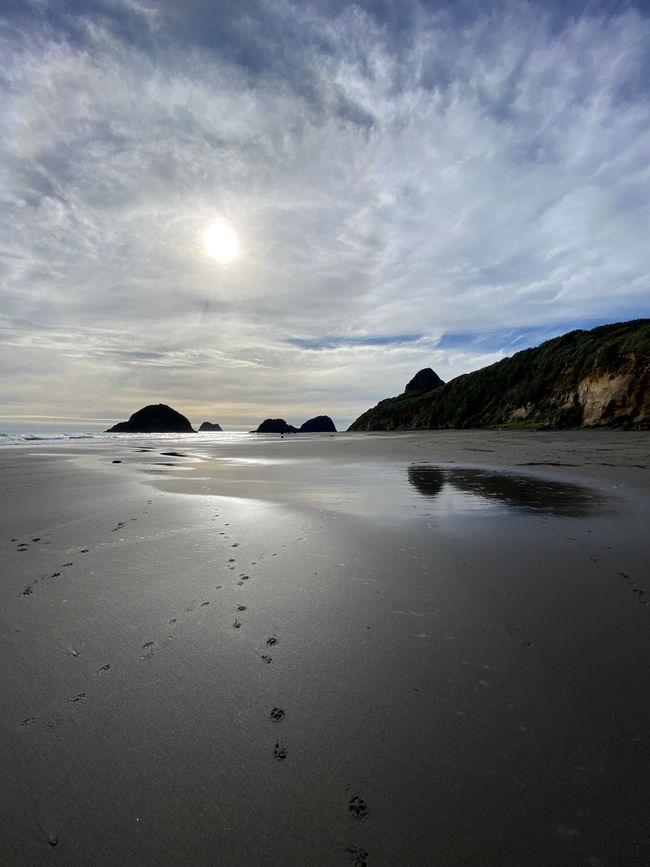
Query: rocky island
column 209, row 426
column 275, row 425
column 155, row 418
column 596, row 378
column 318, row 424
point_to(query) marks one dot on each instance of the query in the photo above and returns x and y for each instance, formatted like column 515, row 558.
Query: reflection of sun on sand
column 220, row 243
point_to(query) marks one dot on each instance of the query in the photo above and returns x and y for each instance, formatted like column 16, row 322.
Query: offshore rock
column 275, row 425
column 155, row 418
column 319, row 424
column 208, row 425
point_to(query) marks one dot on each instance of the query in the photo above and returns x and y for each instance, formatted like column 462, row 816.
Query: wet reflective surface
column 517, row 492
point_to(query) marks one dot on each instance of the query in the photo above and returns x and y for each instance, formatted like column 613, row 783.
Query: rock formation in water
column 156, row 418
column 209, row 426
column 319, row 424
column 424, row 380
column 597, row 378
column 275, row 425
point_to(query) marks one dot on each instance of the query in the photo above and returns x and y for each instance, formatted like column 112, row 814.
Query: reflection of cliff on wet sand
column 525, row 493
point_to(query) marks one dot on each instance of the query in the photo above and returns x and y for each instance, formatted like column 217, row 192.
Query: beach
column 426, row 648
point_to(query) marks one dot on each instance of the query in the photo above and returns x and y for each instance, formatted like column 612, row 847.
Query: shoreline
column 466, row 684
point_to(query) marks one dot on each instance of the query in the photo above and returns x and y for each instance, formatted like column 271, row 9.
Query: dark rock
column 320, row 424
column 208, row 425
column 275, row 425
column 424, row 380
column 156, row 418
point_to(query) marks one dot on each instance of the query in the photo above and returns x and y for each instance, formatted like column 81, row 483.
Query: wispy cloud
column 402, row 181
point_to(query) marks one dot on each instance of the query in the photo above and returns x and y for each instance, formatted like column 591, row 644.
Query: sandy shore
column 419, row 649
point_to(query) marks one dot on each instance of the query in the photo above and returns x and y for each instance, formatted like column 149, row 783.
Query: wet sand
column 413, row 649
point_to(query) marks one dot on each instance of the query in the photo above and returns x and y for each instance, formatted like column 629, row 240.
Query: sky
column 412, row 185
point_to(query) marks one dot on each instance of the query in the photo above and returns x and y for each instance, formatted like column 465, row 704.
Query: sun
column 220, row 243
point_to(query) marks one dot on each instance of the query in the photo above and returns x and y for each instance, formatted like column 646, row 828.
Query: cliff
column 594, row 378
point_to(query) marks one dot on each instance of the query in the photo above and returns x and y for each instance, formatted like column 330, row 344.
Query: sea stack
column 275, row 425
column 155, row 418
column 209, row 426
column 319, row 424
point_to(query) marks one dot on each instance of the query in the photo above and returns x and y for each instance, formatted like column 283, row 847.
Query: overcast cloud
column 412, row 185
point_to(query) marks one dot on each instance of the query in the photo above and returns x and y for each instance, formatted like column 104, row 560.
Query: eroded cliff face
column 622, row 395
column 609, row 396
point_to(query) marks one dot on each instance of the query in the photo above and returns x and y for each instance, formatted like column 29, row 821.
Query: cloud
column 396, row 173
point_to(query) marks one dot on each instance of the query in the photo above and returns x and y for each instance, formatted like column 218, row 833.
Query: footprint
column 358, row 807
column 27, row 721
column 28, row 590
column 514, row 631
column 267, row 659
column 279, row 751
column 55, row 574
column 103, row 668
column 148, row 652
column 74, row 699
column 241, row 608
column 84, row 551
column 359, row 856
column 65, row 565
column 277, row 714
column 271, row 641
column 48, row 829
column 236, row 624
column 203, row 604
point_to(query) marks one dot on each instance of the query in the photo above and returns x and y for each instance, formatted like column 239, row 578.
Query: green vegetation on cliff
column 597, row 377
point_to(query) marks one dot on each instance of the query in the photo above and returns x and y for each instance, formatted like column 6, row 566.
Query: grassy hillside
column 536, row 387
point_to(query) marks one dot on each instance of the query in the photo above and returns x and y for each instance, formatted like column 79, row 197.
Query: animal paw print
column 359, row 856
column 279, row 752
column 357, row 807
column 277, row 714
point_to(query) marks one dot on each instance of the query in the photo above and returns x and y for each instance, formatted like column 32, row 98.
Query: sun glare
column 220, row 242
